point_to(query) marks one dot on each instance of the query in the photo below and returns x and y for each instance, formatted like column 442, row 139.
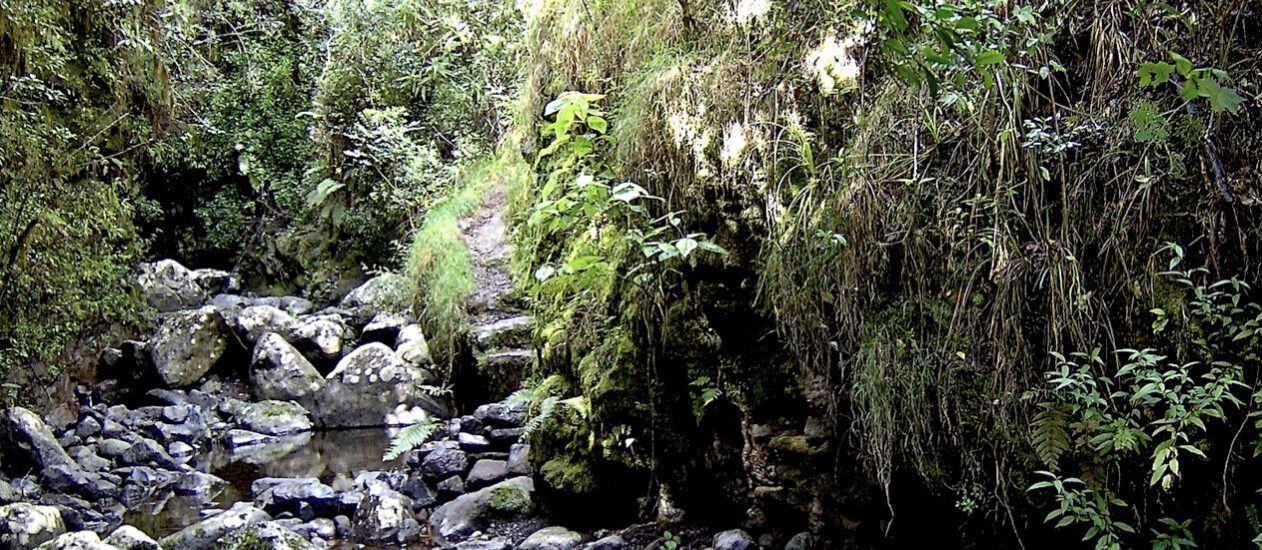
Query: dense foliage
column 901, row 272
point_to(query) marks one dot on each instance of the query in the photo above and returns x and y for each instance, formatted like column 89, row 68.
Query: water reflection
column 334, row 457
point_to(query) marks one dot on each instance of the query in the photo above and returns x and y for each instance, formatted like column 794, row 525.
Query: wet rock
column 342, row 524
column 486, row 472
column 274, row 418
column 146, row 452
column 278, row 371
column 384, row 328
column 411, row 346
column 450, row 488
column 24, row 525
column 518, row 460
column 320, row 339
column 415, row 488
column 204, row 534
column 255, row 321
column 131, row 538
column 502, row 414
column 27, row 439
column 268, row 535
column 513, row 332
column 187, row 345
column 8, row 495
column 734, row 539
column 507, row 500
column 371, row 384
column 289, row 495
column 472, row 443
column 384, row 516
column 82, row 540
column 169, row 286
column 200, row 484
column 801, row 541
column 551, row 538
column 73, row 479
column 254, row 448
column 611, row 542
column 444, row 462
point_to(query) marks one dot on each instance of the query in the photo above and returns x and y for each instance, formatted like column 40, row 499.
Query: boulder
column 444, row 462
column 24, row 525
column 387, row 292
column 255, row 321
column 384, row 328
column 269, row 535
column 169, row 286
column 450, row 488
column 370, row 386
column 278, row 371
column 411, row 346
column 26, row 438
column 473, row 443
column 147, row 452
column 81, row 540
column 471, row 512
column 486, row 472
column 274, row 418
column 131, row 538
column 492, row 544
column 187, row 345
column 384, row 516
column 204, row 534
column 801, row 541
column 320, row 338
column 551, row 538
column 215, row 281
column 734, row 539
column 279, row 495
column 502, row 414
column 518, row 460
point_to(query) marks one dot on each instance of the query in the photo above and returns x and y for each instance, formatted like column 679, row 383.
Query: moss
column 574, row 476
column 509, row 500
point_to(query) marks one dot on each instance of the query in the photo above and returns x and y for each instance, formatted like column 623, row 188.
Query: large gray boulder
column 384, row 516
column 388, row 292
column 215, row 281
column 26, row 438
column 24, row 525
column 264, row 536
column 131, row 538
column 278, row 371
column 372, row 387
column 255, row 321
column 204, row 534
column 187, row 345
column 81, row 540
column 274, row 418
column 321, row 339
column 471, row 512
column 551, row 538
column 169, row 286
column 411, row 347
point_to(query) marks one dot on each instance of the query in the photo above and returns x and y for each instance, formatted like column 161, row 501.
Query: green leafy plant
column 411, row 437
column 1193, row 82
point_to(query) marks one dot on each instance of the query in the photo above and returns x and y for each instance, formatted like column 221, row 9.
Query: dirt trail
column 486, row 235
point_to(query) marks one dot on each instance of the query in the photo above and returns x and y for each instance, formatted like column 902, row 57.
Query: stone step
column 505, row 369
column 511, row 332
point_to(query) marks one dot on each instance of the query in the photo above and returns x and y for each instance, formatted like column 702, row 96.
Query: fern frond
column 410, row 438
column 1050, row 434
column 547, row 409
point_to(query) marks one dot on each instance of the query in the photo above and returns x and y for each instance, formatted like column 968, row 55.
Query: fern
column 1050, row 434
column 410, row 438
column 547, row 409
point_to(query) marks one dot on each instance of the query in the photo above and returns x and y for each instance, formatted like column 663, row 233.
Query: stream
column 334, row 457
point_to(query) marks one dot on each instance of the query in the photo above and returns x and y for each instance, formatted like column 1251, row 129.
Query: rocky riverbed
column 259, row 422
